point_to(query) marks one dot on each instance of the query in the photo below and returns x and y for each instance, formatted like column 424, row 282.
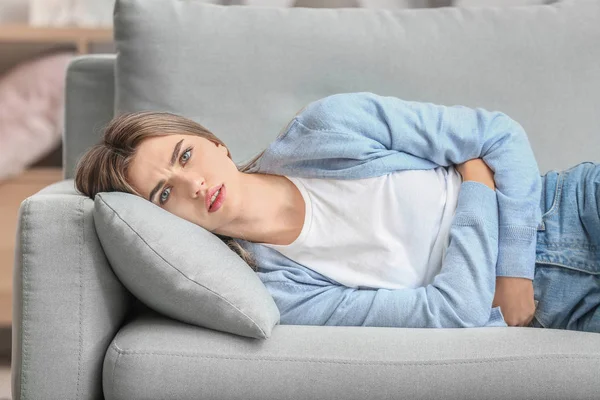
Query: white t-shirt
column 387, row 232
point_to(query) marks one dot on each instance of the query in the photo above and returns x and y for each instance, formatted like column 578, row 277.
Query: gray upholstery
column 180, row 269
column 67, row 303
column 349, row 363
column 66, row 186
column 78, row 334
column 89, row 105
column 243, row 72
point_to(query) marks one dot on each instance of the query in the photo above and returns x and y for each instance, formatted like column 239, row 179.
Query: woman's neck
column 271, row 210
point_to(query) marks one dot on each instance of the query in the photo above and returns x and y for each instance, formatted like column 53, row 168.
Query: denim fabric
column 567, row 271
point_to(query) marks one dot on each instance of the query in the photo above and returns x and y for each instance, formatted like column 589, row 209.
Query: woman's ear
column 223, row 148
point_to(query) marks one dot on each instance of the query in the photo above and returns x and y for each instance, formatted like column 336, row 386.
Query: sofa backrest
column 243, row 72
column 89, row 105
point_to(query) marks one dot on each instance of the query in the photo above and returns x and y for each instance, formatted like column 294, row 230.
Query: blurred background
column 38, row 39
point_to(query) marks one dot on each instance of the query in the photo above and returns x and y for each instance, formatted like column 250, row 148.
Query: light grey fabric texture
column 89, row 105
column 66, row 186
column 346, row 363
column 67, row 303
column 244, row 72
column 537, row 64
column 180, row 269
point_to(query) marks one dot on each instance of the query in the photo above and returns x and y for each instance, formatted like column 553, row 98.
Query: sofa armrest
column 67, row 302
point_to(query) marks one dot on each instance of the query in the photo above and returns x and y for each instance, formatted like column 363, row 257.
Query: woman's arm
column 460, row 296
column 367, row 125
column 477, row 170
column 514, row 296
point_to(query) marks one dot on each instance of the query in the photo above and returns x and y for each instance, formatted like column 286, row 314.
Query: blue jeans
column 567, row 270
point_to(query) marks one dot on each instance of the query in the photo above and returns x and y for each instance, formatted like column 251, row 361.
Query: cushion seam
column 80, row 313
column 25, row 307
column 114, row 369
column 353, row 362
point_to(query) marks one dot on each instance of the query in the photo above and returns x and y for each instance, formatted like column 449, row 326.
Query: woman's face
column 199, row 165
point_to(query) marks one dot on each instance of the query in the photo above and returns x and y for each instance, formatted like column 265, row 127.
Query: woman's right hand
column 478, row 171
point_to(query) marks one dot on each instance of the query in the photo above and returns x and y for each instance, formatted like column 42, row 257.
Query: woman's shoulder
column 335, row 101
column 334, row 110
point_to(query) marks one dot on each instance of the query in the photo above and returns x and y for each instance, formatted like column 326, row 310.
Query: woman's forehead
column 166, row 142
column 153, row 155
column 154, row 143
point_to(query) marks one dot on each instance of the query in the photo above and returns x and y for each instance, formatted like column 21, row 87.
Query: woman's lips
column 219, row 200
column 210, row 194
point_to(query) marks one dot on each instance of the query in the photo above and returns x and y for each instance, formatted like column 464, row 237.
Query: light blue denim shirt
column 364, row 135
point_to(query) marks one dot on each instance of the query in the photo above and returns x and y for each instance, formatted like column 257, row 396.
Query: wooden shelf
column 12, row 192
column 81, row 37
column 26, row 33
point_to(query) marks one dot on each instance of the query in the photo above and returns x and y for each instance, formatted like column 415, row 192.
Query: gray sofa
column 244, row 72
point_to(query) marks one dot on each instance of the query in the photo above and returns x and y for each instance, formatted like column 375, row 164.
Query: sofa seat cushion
column 155, row 357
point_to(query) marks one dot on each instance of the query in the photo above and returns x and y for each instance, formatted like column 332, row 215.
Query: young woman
column 372, row 210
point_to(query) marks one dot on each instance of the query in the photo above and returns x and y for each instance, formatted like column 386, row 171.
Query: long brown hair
column 103, row 168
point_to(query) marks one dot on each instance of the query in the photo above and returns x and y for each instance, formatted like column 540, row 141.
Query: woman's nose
column 196, row 187
column 193, row 184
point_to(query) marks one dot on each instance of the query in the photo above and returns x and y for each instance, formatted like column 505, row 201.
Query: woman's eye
column 163, row 199
column 185, row 159
column 189, row 152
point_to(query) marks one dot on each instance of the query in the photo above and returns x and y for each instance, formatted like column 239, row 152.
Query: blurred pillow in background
column 14, row 11
column 31, row 111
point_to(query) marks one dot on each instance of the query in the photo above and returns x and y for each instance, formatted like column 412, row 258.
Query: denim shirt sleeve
column 460, row 296
column 449, row 135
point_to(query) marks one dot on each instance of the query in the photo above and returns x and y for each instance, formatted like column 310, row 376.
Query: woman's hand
column 515, row 298
column 478, row 171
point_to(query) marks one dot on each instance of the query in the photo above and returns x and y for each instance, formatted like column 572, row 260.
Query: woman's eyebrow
column 174, row 157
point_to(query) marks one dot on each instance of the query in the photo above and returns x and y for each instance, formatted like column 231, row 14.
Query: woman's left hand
column 515, row 298
column 476, row 170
